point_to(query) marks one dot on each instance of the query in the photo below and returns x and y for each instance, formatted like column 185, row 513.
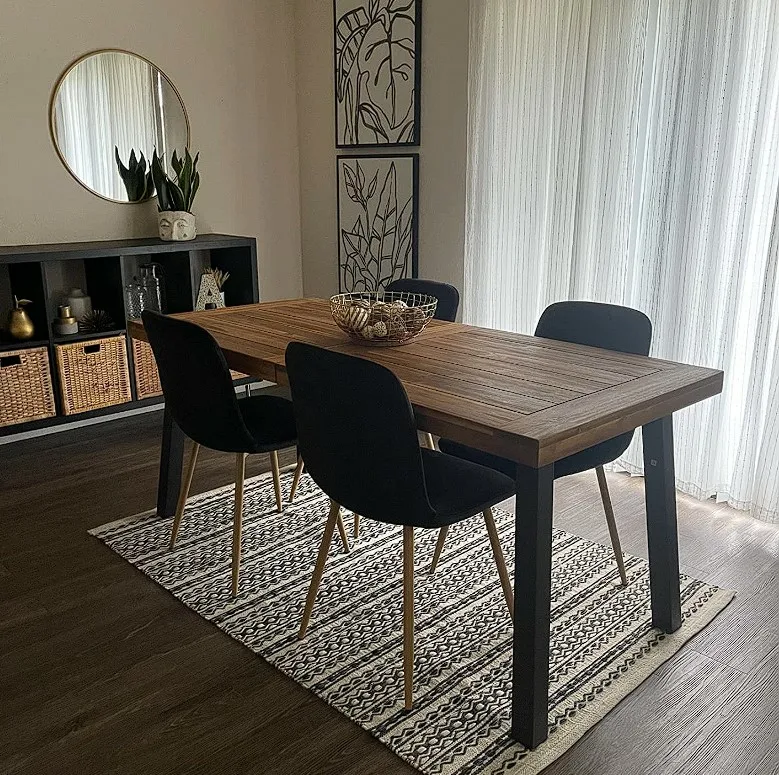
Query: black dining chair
column 609, row 327
column 448, row 296
column 357, row 434
column 199, row 393
column 448, row 303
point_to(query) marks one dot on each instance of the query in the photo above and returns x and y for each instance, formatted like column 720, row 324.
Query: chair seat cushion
column 598, row 455
column 458, row 489
column 270, row 421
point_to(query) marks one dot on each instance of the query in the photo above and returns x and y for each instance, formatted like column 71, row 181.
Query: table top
column 529, row 399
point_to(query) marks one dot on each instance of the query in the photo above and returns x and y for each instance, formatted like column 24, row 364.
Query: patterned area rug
column 603, row 645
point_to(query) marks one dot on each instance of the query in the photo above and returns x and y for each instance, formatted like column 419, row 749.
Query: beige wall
column 442, row 152
column 233, row 62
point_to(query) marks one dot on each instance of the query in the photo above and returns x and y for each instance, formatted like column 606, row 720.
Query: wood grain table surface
column 528, row 399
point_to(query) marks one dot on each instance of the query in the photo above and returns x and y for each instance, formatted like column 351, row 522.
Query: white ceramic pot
column 80, row 304
column 176, row 225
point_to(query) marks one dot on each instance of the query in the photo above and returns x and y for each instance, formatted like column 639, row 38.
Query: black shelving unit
column 44, row 273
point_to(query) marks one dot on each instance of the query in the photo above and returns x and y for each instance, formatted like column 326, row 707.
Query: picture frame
column 378, row 220
column 377, row 46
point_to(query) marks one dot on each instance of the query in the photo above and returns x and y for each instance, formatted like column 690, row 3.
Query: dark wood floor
column 103, row 672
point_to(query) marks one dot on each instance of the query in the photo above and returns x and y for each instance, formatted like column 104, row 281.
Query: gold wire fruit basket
column 382, row 319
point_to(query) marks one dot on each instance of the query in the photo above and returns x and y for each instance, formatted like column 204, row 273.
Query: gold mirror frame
column 53, row 100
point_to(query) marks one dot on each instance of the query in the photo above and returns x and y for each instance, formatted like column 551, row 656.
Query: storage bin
column 93, row 374
column 147, row 378
column 25, row 386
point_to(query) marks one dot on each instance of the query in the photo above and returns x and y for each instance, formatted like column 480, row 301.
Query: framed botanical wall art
column 377, row 72
column 377, row 220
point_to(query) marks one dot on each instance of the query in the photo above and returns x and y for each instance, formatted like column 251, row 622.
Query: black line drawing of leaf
column 405, row 226
column 385, row 221
column 406, row 132
column 398, row 263
column 387, row 54
column 350, row 182
column 372, row 185
column 350, row 114
column 375, row 119
column 355, row 246
column 400, row 6
column 349, row 32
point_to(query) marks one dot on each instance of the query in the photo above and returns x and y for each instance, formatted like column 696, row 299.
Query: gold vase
column 20, row 325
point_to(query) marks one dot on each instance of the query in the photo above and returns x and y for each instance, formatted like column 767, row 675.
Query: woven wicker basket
column 25, row 386
column 147, row 378
column 93, row 374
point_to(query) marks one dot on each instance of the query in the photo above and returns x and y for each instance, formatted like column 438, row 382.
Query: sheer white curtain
column 629, row 152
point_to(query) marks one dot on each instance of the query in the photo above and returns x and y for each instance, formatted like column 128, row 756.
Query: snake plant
column 177, row 194
column 136, row 178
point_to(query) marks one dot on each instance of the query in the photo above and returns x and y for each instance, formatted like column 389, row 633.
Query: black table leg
column 659, row 482
column 171, row 461
column 532, row 596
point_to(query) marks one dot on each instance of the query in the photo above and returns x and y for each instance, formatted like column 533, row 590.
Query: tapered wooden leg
column 663, row 540
column 439, row 547
column 274, row 467
column 186, row 483
column 430, row 441
column 408, row 616
column 342, row 531
column 296, row 479
column 612, row 524
column 356, row 526
column 500, row 561
column 240, row 473
column 532, row 605
column 319, row 568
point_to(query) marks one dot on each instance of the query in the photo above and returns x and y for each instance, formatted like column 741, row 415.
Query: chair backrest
column 448, row 296
column 197, row 384
column 598, row 325
column 609, row 326
column 356, row 433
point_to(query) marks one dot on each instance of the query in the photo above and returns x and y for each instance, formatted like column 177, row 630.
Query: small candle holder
column 65, row 324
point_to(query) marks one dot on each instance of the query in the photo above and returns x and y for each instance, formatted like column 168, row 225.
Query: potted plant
column 136, row 177
column 175, row 197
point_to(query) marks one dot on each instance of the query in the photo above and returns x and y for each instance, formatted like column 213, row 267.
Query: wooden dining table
column 528, row 399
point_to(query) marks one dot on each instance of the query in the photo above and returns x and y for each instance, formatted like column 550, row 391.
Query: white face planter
column 176, row 225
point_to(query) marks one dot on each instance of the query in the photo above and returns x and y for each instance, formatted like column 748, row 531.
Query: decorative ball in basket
column 382, row 319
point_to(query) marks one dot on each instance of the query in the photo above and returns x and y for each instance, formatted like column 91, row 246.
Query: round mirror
column 108, row 108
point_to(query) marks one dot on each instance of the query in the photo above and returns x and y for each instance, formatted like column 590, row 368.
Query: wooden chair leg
column 274, row 467
column 612, row 523
column 356, row 526
column 240, row 473
column 186, row 483
column 296, row 479
column 319, row 568
column 408, row 616
column 439, row 547
column 500, row 561
column 430, row 441
column 342, row 532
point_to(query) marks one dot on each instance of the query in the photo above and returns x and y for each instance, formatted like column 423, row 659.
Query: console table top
column 125, row 247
